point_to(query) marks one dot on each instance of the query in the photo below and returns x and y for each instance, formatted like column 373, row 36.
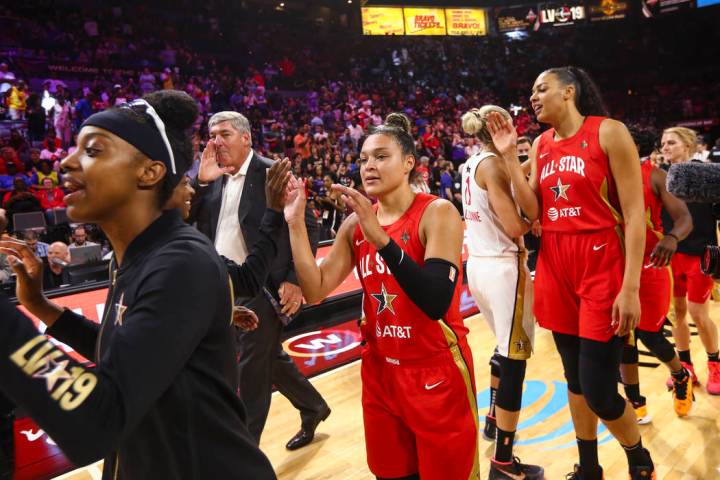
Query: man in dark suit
column 54, row 272
column 228, row 208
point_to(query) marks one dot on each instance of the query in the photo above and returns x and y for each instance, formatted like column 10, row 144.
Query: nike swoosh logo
column 359, row 242
column 430, row 387
column 598, row 247
column 31, row 436
column 648, row 265
column 544, row 154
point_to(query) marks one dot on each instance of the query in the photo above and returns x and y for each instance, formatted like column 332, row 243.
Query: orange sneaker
column 641, row 411
column 683, row 395
column 690, row 368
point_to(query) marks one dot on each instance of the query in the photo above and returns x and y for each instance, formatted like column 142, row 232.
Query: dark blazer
column 49, row 281
column 205, row 213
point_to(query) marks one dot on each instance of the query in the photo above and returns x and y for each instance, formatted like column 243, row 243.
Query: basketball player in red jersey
column 585, row 186
column 656, row 284
column 419, row 408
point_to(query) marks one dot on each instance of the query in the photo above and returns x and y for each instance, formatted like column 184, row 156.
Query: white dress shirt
column 229, row 240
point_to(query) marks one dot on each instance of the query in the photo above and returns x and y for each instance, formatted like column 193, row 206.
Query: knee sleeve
column 657, row 344
column 509, row 394
column 495, row 365
column 568, row 347
column 599, row 364
column 630, row 355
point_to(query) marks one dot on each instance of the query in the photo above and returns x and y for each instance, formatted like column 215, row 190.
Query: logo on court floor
column 545, row 417
column 322, row 343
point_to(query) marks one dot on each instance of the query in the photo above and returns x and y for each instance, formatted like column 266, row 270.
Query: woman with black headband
column 161, row 400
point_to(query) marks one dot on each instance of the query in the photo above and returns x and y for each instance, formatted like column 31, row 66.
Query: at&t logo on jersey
column 392, row 331
column 554, row 214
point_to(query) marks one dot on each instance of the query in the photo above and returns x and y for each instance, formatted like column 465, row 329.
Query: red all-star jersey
column 577, row 190
column 653, row 207
column 392, row 325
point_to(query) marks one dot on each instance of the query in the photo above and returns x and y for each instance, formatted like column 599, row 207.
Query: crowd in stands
column 313, row 98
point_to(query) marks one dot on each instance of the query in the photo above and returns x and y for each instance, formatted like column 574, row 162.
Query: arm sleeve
column 77, row 332
column 249, row 278
column 430, row 287
column 87, row 411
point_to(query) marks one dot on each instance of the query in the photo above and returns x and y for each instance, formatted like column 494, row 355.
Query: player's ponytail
column 474, row 122
column 588, row 99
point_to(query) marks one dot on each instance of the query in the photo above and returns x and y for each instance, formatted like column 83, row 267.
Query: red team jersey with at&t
column 577, row 190
column 653, row 207
column 393, row 325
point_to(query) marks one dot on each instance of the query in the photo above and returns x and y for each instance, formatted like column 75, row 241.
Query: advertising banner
column 424, row 21
column 514, row 19
column 561, row 15
column 651, row 8
column 382, row 21
column 466, row 21
column 607, row 10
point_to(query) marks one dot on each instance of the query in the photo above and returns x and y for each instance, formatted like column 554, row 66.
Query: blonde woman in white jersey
column 501, row 286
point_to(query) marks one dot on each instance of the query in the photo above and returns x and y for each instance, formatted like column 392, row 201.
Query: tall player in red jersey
column 586, row 188
column 419, row 408
column 656, row 284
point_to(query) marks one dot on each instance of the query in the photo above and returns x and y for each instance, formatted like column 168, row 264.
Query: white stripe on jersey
column 486, row 237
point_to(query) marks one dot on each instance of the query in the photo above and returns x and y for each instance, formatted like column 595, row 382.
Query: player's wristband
column 674, row 236
column 430, row 287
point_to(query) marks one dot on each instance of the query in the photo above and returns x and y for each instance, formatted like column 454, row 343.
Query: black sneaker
column 644, row 472
column 515, row 471
column 489, row 432
column 576, row 474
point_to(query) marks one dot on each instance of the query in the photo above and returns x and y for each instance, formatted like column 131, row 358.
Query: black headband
column 144, row 136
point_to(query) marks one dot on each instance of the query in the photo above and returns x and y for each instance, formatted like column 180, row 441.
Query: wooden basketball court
column 683, row 449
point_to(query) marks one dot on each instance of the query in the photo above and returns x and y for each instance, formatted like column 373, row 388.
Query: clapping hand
column 372, row 231
column 276, row 184
column 503, row 133
column 27, row 267
column 295, row 200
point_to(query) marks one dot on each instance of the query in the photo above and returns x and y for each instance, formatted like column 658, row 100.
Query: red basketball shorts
column 655, row 293
column 689, row 279
column 577, row 279
column 421, row 417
